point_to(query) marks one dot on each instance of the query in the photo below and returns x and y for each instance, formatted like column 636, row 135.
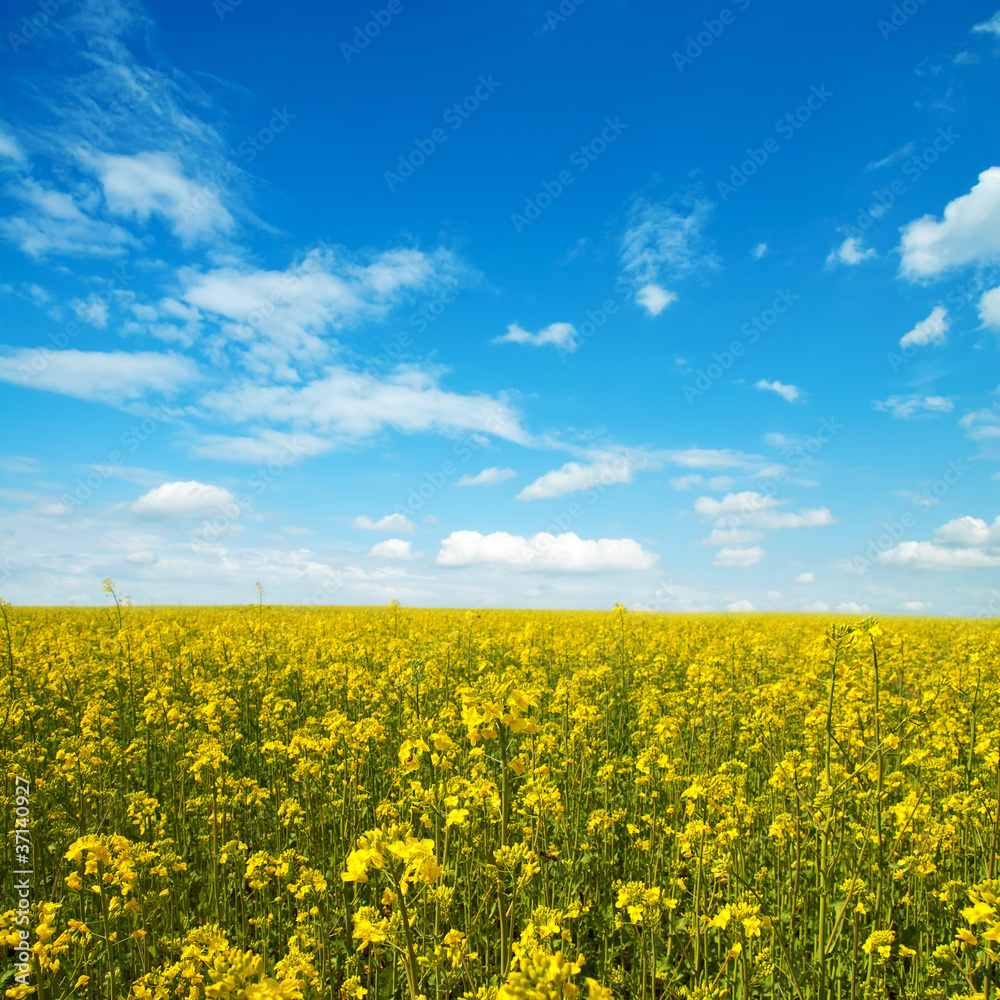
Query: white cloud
column 969, row 531
column 806, row 577
column 916, row 605
column 561, row 335
column 393, row 548
column 714, row 458
column 9, row 147
column 819, row 606
column 573, row 477
column 969, row 231
column 852, row 607
column 911, row 406
column 896, row 154
column 731, row 536
column 963, row 543
column 52, row 222
column 654, row 299
column 488, row 477
column 391, row 522
column 849, row 252
column 155, row 183
column 144, row 558
column 991, row 26
column 740, row 606
column 344, row 408
column 565, row 553
column 981, row 425
column 175, row 501
column 661, row 240
column 755, row 511
column 739, row 557
column 787, row 392
column 92, row 310
column 100, row 376
column 759, row 251
column 686, row 482
column 928, row 555
column 272, row 318
column 989, row 308
column 932, row 330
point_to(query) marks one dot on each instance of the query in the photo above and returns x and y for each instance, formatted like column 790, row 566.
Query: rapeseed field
column 292, row 803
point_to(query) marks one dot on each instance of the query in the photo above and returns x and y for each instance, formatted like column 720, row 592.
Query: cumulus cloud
column 849, row 252
column 963, row 543
column 932, row 330
column 759, row 251
column 738, row 557
column 562, row 335
column 565, row 553
column 391, row 522
column 791, row 393
column 806, row 577
column 654, row 299
column 989, row 308
column 183, row 500
column 110, row 377
column 488, row 477
column 393, row 548
column 969, row 231
column 852, row 608
column 912, row 406
column 740, row 606
column 927, row 555
column 916, row 606
column 969, row 531
column 143, row 558
column 755, row 511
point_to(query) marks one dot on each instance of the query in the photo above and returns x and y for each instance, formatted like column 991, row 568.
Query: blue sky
column 530, row 306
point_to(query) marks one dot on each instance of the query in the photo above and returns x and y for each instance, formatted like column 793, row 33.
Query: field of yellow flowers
column 289, row 803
